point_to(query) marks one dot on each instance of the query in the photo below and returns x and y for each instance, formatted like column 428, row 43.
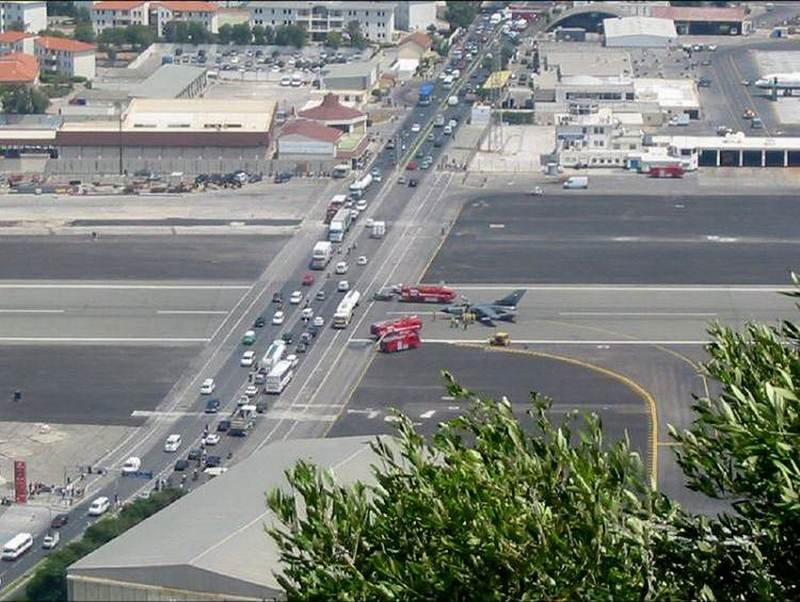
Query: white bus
column 274, row 354
column 344, row 312
column 17, row 546
column 280, row 376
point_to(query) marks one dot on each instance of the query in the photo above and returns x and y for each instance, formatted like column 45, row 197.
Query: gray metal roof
column 213, row 540
column 168, row 81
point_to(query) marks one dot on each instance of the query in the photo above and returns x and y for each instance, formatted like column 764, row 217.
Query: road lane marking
column 560, row 342
column 639, row 313
column 191, row 312
column 100, row 340
column 164, row 287
column 412, row 313
column 32, row 311
column 644, row 288
column 157, row 414
column 427, row 414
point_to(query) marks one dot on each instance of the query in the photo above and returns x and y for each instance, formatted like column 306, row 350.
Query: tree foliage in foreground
column 489, row 509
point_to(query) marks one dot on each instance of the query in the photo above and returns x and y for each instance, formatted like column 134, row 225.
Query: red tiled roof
column 64, row 44
column 9, row 37
column 17, row 67
column 420, row 39
column 331, row 110
column 117, row 4
column 309, row 129
column 188, row 6
column 698, row 13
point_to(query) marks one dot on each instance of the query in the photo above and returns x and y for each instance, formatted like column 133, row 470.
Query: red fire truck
column 400, row 341
column 404, row 324
column 666, row 171
column 426, row 293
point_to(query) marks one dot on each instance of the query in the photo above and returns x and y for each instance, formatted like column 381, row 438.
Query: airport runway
column 588, row 239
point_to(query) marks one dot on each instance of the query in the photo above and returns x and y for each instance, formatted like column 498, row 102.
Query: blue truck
column 425, row 94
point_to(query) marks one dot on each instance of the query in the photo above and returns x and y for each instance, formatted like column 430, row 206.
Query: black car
column 287, row 337
column 282, row 177
column 59, row 520
column 260, row 322
column 213, row 461
column 277, row 298
column 195, row 454
column 412, row 183
column 306, row 338
column 181, row 465
column 223, row 425
column 313, row 330
column 301, row 347
column 212, row 406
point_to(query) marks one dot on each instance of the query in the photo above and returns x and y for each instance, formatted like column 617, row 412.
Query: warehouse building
column 173, row 81
column 733, row 150
column 639, row 32
column 705, row 20
column 211, row 544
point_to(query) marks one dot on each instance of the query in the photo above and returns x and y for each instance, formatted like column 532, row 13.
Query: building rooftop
column 117, row 4
column 422, row 40
column 8, row 37
column 188, row 6
column 17, row 67
column 63, row 44
column 330, row 5
column 168, row 81
column 632, row 26
column 699, row 13
column 667, row 92
column 735, row 141
column 102, row 94
column 330, row 109
column 355, row 69
column 311, row 129
column 213, row 540
column 199, row 114
column 586, row 59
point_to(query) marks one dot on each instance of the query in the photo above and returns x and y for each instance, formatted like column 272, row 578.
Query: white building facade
column 119, row 13
column 33, row 15
column 600, row 139
column 414, row 16
column 65, row 57
column 377, row 19
column 205, row 13
column 639, row 32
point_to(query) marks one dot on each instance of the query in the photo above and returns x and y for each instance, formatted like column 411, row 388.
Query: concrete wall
column 84, row 65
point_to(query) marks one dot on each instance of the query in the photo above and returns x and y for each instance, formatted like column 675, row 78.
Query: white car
column 211, row 439
column 278, row 318
column 453, row 124
column 208, row 386
column 251, row 390
column 132, row 464
column 415, row 127
column 248, row 359
column 296, row 298
column 343, row 286
column 361, row 205
column 369, row 222
column 51, row 540
column 362, row 260
column 319, row 321
column 172, row 443
column 307, row 313
column 292, row 359
column 342, row 267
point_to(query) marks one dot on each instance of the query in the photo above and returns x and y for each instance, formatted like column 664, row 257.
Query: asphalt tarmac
column 587, row 239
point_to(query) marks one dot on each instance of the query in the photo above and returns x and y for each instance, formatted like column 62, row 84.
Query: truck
column 400, row 341
column 361, row 184
column 342, row 170
column 279, row 376
column 273, row 354
column 426, row 293
column 344, row 312
column 425, row 94
column 339, row 225
column 336, row 203
column 321, row 255
column 242, row 421
column 378, row 229
column 387, row 327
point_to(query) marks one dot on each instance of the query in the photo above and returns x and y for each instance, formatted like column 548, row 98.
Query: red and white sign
column 20, row 482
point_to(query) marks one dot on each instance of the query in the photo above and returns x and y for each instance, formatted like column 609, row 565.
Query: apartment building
column 119, row 13
column 65, row 57
column 16, row 41
column 165, row 11
column 33, row 15
column 377, row 19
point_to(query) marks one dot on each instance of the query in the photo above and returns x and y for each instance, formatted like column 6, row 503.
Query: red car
column 411, row 166
column 308, row 279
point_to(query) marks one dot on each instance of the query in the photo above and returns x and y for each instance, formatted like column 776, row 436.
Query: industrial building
column 639, row 32
column 705, row 20
column 733, row 150
column 211, row 544
column 173, row 81
column 352, row 82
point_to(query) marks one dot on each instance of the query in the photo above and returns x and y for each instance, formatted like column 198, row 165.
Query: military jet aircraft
column 502, row 309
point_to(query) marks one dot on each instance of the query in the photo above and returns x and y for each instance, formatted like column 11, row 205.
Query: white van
column 577, row 182
column 17, row 546
column 99, row 506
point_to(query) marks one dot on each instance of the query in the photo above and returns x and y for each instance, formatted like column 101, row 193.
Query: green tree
column 225, row 34
column 114, row 36
column 53, row 33
column 461, row 13
column 24, row 100
column 82, row 14
column 139, row 36
column 291, row 35
column 333, row 39
column 241, row 34
column 196, row 33
column 84, row 32
column 357, row 39
column 259, row 35
column 61, row 8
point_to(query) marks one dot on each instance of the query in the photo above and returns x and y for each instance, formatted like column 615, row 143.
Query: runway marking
column 560, row 342
column 639, row 313
column 301, row 416
column 448, row 398
column 32, row 311
column 165, row 287
column 427, row 414
column 191, row 312
column 100, row 340
column 645, row 288
column 412, row 313
column 157, row 414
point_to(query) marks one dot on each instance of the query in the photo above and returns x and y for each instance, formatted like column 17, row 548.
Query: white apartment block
column 16, row 41
column 119, row 13
column 32, row 14
column 414, row 16
column 320, row 18
column 165, row 11
column 65, row 57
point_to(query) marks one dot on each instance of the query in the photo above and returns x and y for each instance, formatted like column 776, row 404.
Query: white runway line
column 644, row 288
column 32, row 311
column 157, row 414
column 100, row 340
column 558, row 342
column 649, row 314
column 160, row 287
column 191, row 312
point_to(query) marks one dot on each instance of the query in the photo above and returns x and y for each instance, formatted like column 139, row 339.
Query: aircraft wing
column 485, row 313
